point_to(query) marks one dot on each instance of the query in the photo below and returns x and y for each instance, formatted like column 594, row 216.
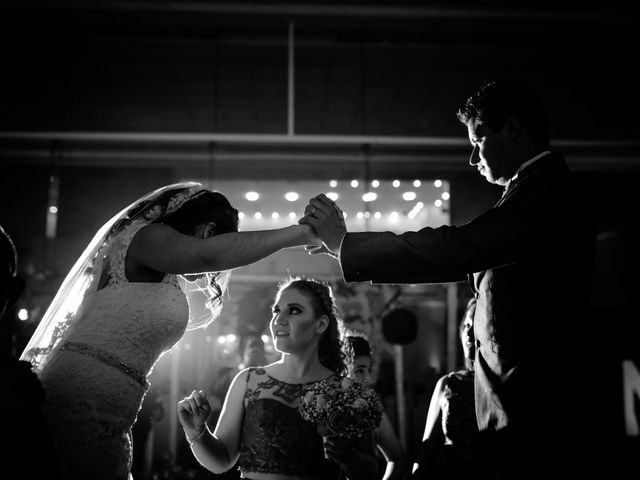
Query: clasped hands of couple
column 326, row 218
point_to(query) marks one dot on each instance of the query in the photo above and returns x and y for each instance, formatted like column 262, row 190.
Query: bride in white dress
column 146, row 277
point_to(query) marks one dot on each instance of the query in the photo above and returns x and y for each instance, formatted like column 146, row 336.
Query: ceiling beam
column 281, row 139
column 484, row 12
column 315, row 152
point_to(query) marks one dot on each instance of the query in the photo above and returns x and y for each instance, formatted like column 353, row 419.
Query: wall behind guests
column 471, row 195
column 23, row 200
column 611, row 357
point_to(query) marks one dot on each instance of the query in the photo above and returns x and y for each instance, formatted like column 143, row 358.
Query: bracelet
column 198, row 437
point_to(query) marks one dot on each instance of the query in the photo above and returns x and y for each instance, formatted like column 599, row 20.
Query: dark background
column 118, row 98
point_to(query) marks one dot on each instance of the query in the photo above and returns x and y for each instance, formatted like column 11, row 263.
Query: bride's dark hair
column 204, row 207
column 332, row 348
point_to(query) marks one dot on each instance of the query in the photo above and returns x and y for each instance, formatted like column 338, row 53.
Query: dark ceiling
column 162, row 79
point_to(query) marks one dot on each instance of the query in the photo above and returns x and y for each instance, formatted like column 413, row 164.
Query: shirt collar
column 529, row 162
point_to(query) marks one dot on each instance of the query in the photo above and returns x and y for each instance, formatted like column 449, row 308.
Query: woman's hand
column 355, row 457
column 327, row 220
column 312, row 238
column 193, row 412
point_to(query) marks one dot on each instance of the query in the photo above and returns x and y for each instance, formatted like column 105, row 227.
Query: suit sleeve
column 523, row 226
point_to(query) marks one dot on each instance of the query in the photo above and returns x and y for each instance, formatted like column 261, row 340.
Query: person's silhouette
column 26, row 451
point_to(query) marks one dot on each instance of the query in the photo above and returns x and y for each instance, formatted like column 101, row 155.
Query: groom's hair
column 496, row 101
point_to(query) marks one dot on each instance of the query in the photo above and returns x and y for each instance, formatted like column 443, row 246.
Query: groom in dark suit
column 529, row 261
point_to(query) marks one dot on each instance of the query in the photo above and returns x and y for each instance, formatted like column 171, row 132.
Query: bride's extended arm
column 161, row 248
column 217, row 452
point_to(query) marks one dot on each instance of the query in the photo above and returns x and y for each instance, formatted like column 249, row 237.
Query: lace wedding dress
column 96, row 377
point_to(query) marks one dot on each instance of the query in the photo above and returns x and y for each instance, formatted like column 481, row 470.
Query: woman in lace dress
column 155, row 269
column 450, row 445
column 260, row 426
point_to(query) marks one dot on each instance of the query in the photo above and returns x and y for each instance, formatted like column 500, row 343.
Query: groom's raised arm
column 520, row 228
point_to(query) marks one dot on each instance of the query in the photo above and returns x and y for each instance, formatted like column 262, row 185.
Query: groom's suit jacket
column 529, row 261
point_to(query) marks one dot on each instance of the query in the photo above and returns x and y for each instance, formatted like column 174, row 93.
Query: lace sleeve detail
column 115, row 255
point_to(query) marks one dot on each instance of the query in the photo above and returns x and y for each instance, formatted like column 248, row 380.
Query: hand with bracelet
column 193, row 412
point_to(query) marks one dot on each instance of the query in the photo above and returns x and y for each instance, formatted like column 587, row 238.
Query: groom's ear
column 513, row 127
column 209, row 230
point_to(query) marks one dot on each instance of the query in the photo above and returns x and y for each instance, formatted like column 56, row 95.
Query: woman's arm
column 161, row 248
column 389, row 445
column 433, row 436
column 217, row 452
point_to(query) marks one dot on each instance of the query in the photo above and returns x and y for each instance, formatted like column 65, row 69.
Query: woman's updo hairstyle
column 183, row 207
column 203, row 207
column 332, row 348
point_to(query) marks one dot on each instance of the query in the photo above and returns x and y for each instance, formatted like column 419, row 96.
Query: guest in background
column 11, row 287
column 450, row 445
column 260, row 426
column 253, row 352
column 24, row 429
column 253, row 355
column 385, row 438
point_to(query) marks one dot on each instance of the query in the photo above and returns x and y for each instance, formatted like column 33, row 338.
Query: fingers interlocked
column 320, row 205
